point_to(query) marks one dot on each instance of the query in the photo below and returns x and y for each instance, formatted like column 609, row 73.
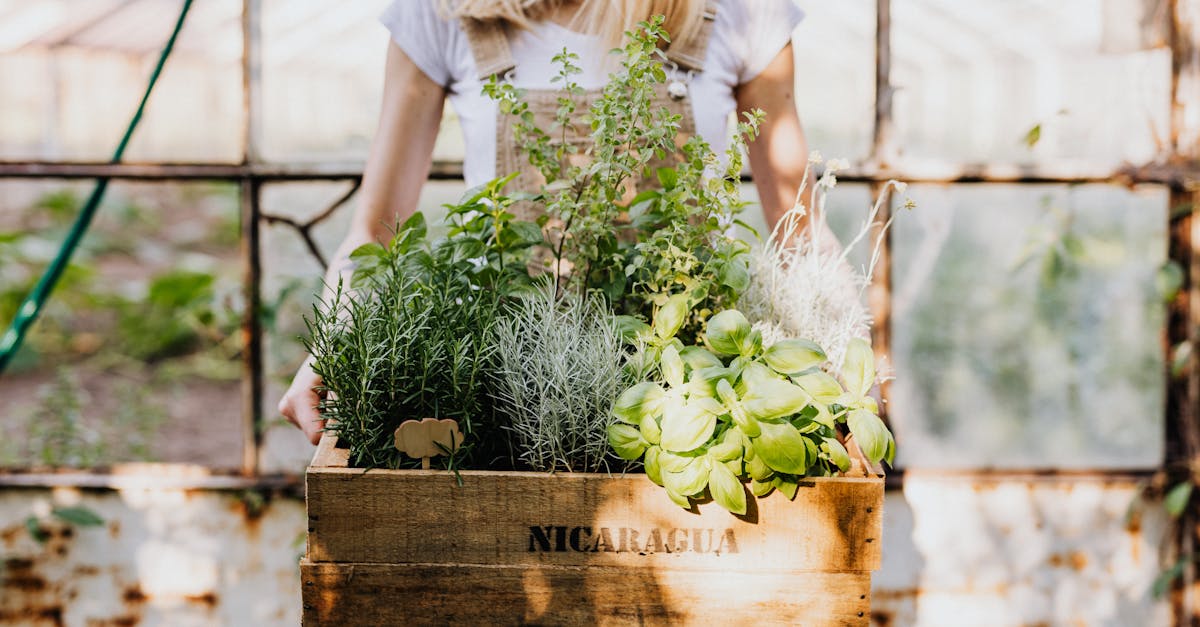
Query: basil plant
column 712, row 417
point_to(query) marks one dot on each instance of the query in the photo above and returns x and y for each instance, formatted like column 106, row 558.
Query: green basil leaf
column 726, row 490
column 786, row 486
column 858, row 367
column 671, row 462
column 653, row 467
column 668, row 177
column 678, row 499
column 698, row 358
column 671, row 366
column 772, row 398
column 687, row 426
column 651, row 430
column 870, row 433
column 670, row 317
column 691, row 480
column 626, row 441
column 729, row 448
column 726, row 394
column 643, row 399
column 631, row 329
column 761, row 488
column 821, row 386
column 793, row 356
column 735, row 273
column 782, row 447
column 756, row 467
column 726, row 332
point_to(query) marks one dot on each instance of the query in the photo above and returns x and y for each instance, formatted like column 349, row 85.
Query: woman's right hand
column 299, row 403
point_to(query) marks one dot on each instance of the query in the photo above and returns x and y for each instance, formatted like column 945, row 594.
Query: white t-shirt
column 746, row 37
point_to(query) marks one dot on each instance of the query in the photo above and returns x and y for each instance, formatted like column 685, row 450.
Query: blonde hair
column 606, row 18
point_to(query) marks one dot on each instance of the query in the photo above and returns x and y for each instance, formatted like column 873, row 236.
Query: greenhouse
column 1013, row 431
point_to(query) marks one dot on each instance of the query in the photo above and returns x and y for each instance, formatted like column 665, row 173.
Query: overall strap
column 489, row 47
column 689, row 54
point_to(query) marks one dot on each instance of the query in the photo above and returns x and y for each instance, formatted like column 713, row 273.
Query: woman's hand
column 397, row 166
column 299, row 403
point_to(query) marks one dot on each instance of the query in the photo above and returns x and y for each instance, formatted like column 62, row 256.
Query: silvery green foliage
column 559, row 369
column 801, row 284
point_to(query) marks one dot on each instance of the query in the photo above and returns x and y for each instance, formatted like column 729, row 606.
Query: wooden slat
column 328, row 455
column 510, row 518
column 442, row 594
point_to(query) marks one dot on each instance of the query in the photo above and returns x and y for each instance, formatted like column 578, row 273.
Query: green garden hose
column 31, row 307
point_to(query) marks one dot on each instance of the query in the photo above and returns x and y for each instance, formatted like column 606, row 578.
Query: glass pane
column 71, row 74
column 137, row 356
column 835, row 76
column 976, row 77
column 292, row 279
column 1026, row 327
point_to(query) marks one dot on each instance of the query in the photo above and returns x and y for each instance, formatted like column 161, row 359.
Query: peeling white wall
column 1043, row 551
column 174, row 558
column 956, row 551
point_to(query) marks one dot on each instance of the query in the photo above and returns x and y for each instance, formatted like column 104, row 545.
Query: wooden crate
column 389, row 547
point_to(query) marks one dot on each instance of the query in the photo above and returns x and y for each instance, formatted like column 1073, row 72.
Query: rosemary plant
column 411, row 340
column 558, row 371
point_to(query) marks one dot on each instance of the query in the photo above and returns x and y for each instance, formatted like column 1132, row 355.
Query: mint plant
column 713, row 417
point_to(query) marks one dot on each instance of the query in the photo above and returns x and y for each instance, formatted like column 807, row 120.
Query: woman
column 725, row 56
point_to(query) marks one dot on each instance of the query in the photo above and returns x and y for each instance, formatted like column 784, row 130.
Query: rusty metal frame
column 1179, row 174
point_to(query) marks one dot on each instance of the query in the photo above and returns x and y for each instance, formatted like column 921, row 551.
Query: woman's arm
column 779, row 156
column 396, row 168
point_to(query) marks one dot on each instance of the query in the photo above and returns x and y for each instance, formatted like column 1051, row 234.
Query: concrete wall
column 957, row 551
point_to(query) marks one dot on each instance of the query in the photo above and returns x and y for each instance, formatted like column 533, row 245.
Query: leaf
column 668, row 177
column 1032, row 136
column 651, row 430
column 793, row 356
column 858, row 367
column 691, row 480
column 786, row 486
column 632, row 329
column 772, row 398
column 726, row 490
column 626, row 441
column 34, row 526
column 727, row 332
column 652, row 466
column 1177, row 499
column 871, row 434
column 79, row 516
column 782, row 448
column 735, row 274
column 670, row 316
column 729, row 448
column 678, row 499
column 671, row 367
column 687, row 426
column 697, row 358
column 761, row 488
column 411, row 232
column 836, row 453
column 821, row 386
column 1169, row 279
column 643, row 399
column 527, row 233
column 1162, row 583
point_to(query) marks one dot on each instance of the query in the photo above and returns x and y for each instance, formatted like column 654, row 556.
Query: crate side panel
column 413, row 594
column 565, row 519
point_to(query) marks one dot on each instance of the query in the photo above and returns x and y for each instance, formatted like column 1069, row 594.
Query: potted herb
column 583, row 368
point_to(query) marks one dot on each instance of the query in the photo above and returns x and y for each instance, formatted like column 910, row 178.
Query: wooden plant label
column 428, row 438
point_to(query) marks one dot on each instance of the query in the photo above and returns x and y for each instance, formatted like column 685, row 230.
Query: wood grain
column 441, row 594
column 519, row 518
